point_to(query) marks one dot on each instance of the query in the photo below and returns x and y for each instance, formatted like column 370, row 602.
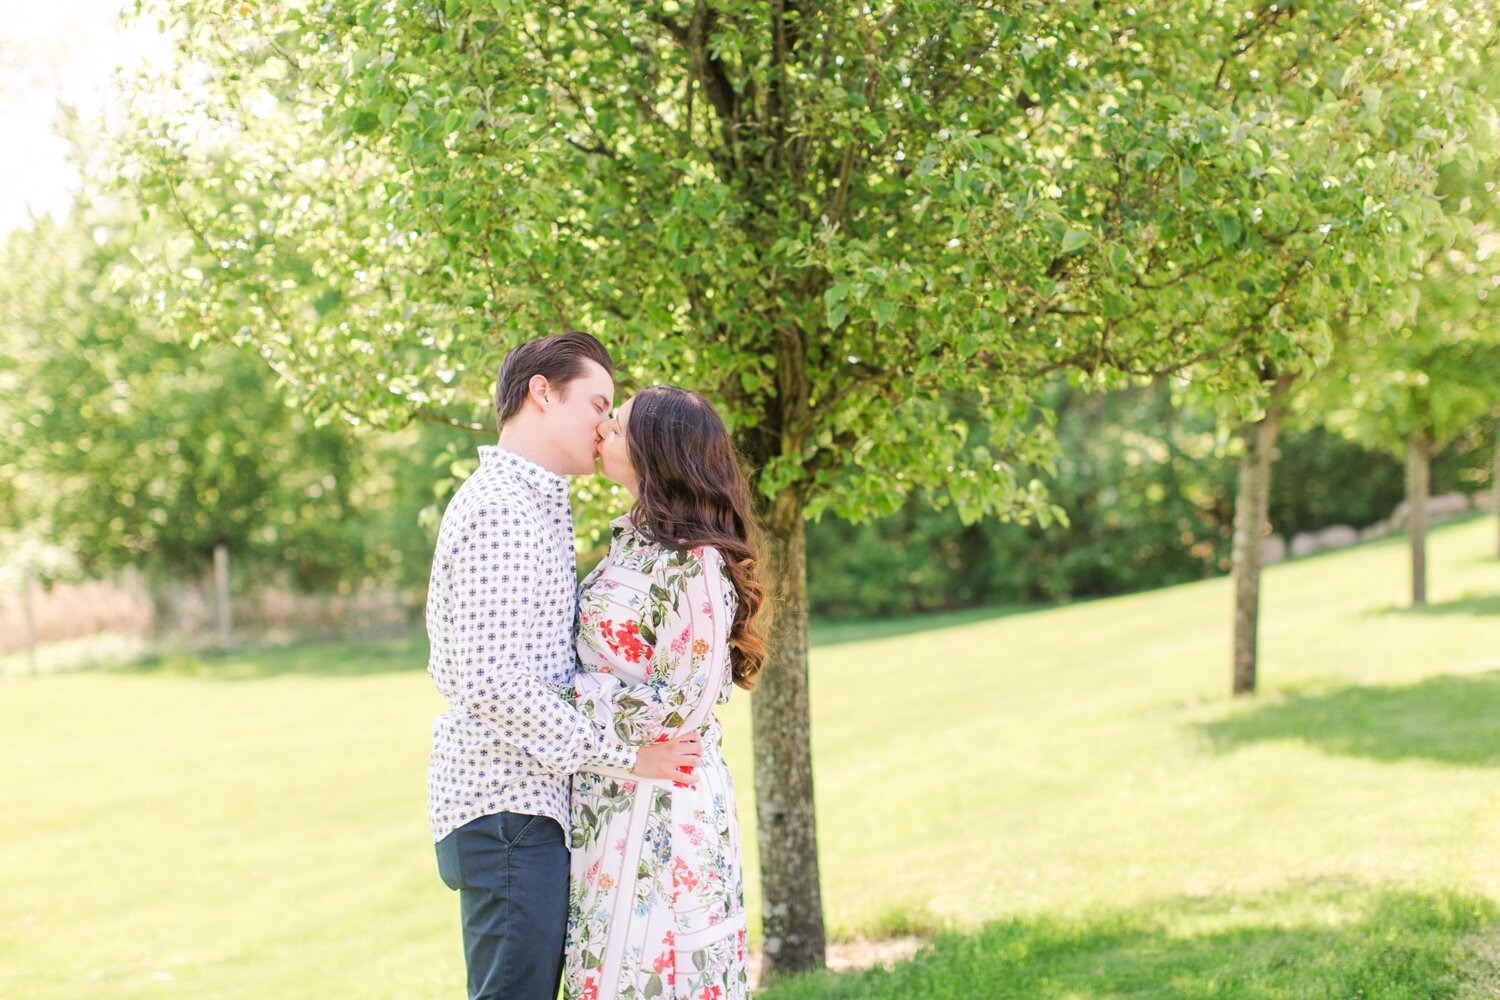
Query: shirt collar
column 546, row 484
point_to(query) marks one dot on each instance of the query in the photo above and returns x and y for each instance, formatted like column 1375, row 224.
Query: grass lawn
column 1066, row 799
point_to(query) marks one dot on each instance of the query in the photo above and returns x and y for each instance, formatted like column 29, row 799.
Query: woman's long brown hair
column 692, row 491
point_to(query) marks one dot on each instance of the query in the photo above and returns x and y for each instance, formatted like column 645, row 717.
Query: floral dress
column 656, row 900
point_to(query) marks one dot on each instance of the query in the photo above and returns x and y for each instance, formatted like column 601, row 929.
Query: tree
column 1495, row 481
column 129, row 447
column 841, row 223
column 1420, row 387
column 1373, row 201
column 1424, row 375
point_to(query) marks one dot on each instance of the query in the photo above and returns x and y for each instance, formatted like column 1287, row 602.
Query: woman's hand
column 670, row 758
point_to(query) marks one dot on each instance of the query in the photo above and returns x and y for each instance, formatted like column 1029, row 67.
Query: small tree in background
column 1414, row 383
column 130, row 447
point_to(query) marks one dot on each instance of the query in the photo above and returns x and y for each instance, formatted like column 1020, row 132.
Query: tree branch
column 432, row 417
column 1248, row 35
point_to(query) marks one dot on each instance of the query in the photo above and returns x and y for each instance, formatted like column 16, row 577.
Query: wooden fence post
column 221, row 594
column 30, row 601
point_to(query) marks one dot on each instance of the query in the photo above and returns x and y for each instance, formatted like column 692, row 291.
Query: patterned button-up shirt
column 500, row 610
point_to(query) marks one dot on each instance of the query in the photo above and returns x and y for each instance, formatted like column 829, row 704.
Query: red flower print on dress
column 679, row 644
column 711, row 993
column 630, row 644
column 682, row 876
column 667, row 961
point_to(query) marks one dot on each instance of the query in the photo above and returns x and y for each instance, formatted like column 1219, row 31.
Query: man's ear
column 539, row 390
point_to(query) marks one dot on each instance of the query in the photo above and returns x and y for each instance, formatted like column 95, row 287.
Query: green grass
column 1069, row 794
column 1398, row 945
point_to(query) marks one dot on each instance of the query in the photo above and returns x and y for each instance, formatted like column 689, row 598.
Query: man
column 500, row 609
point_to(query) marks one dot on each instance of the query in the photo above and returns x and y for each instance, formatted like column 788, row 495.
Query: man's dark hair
column 559, row 359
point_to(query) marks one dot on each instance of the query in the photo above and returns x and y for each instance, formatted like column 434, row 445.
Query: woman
column 666, row 623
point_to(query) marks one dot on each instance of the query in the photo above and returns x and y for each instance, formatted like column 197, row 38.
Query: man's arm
column 492, row 615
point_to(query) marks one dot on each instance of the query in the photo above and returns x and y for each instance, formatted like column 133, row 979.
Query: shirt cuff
column 616, row 754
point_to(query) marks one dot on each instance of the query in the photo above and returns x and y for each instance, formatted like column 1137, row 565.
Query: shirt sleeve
column 687, row 625
column 499, row 676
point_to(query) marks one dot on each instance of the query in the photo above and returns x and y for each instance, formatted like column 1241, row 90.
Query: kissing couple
column 578, row 795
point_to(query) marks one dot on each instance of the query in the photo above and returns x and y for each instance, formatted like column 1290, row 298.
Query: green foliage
column 130, row 447
column 1432, row 368
column 867, row 233
column 1144, row 494
column 1147, row 484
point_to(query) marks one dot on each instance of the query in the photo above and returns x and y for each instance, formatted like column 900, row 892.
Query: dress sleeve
column 687, row 626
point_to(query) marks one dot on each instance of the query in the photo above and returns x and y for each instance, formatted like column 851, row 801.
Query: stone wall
column 1448, row 507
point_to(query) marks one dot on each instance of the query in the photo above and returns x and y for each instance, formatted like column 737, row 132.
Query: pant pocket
column 521, row 830
column 450, row 866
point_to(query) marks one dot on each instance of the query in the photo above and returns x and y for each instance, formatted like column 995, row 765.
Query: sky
column 54, row 51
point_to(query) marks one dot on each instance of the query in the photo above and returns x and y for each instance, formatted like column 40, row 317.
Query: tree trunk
column 791, row 896
column 221, row 596
column 1250, row 506
column 1418, row 476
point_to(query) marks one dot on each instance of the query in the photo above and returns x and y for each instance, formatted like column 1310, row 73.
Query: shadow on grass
column 1449, row 719
column 837, row 633
column 348, row 658
column 1469, row 604
column 1384, row 945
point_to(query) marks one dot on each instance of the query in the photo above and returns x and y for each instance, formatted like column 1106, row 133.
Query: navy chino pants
column 511, row 873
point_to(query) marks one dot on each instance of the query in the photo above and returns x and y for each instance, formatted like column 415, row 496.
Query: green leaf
column 1074, row 240
column 1229, row 229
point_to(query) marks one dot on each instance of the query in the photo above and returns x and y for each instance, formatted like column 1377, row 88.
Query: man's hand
column 671, row 758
